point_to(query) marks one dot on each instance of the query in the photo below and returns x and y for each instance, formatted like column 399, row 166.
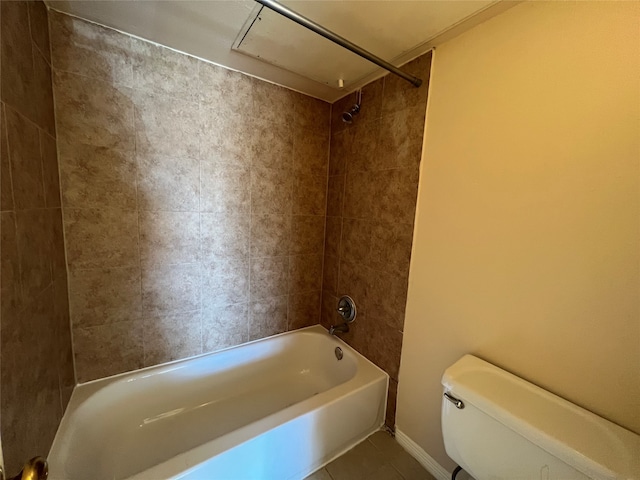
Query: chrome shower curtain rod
column 335, row 38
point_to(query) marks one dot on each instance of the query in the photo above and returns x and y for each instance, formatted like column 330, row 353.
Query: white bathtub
column 277, row 408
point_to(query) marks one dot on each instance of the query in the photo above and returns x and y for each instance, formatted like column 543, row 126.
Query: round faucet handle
column 347, row 308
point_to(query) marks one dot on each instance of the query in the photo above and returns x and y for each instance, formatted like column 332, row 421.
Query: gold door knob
column 35, row 469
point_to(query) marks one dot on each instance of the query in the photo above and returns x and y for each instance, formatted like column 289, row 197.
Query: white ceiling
column 280, row 51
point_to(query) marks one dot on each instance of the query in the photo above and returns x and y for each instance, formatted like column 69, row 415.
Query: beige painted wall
column 526, row 249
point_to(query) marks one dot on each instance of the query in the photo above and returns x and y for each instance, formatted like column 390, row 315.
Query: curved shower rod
column 335, row 38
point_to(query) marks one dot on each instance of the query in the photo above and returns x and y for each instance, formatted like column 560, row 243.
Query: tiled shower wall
column 373, row 185
column 35, row 340
column 194, row 201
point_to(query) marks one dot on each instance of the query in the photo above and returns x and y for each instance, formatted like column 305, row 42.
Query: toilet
column 497, row 426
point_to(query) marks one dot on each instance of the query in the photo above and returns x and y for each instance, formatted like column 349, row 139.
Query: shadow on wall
column 194, row 201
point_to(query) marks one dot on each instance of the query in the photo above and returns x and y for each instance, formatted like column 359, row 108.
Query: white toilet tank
column 510, row 429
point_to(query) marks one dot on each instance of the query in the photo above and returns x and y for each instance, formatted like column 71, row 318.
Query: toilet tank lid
column 589, row 443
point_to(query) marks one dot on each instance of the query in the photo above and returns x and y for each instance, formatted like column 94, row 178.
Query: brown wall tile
column 33, row 235
column 362, row 155
column 108, row 349
column 272, row 103
column 90, row 50
column 35, row 378
column 42, row 93
column 99, row 238
column 387, row 297
column 307, row 234
column 30, row 410
column 360, row 195
column 272, row 145
column 93, row 112
column 396, row 192
column 267, row 317
column 159, row 70
column 335, row 196
column 225, row 326
column 270, row 235
column 305, row 273
column 356, row 241
column 168, row 183
column 50, row 175
column 169, row 237
column 225, row 281
column 226, row 137
column 171, row 337
column 372, row 95
column 270, row 191
column 330, row 274
column 10, row 277
column 105, row 295
column 224, row 189
column 169, row 289
column 6, row 189
column 383, row 346
column 400, row 94
column 97, row 177
column 165, row 126
column 219, row 86
column 304, row 310
column 39, row 28
column 269, row 277
column 340, row 149
column 309, row 195
column 333, row 236
column 55, row 242
column 66, row 370
column 17, row 75
column 390, row 247
column 401, row 144
column 224, row 235
column 310, row 152
column 311, row 114
column 26, row 161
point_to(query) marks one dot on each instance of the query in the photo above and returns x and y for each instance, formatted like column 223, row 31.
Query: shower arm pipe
column 335, row 38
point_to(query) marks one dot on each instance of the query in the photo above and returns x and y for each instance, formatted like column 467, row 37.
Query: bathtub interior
column 131, row 422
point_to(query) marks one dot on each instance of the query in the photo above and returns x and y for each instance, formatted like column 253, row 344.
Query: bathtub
column 277, row 408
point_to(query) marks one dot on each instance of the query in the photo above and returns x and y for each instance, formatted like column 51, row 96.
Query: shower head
column 347, row 117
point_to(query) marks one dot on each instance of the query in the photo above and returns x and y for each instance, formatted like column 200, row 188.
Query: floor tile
column 410, row 468
column 358, row 463
column 386, row 444
column 387, row 472
column 379, row 457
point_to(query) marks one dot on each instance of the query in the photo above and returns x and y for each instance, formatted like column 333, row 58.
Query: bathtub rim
column 83, row 391
column 372, row 375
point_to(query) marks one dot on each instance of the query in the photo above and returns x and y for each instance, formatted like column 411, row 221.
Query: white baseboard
column 433, row 467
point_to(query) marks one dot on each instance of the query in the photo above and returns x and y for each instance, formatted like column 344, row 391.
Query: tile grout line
column 62, row 208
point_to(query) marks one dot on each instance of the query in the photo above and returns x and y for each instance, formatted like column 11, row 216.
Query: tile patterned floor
column 379, row 457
